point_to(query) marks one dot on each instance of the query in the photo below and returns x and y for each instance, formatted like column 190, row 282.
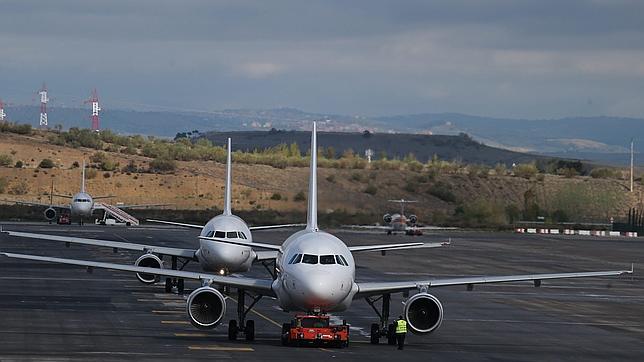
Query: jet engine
column 50, row 214
column 387, row 218
column 148, row 261
column 413, row 219
column 206, row 307
column 424, row 313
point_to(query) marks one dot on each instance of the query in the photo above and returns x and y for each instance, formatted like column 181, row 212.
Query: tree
column 46, row 163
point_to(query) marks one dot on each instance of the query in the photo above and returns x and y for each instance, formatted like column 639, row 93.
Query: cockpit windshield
column 315, row 259
column 226, row 234
column 82, row 200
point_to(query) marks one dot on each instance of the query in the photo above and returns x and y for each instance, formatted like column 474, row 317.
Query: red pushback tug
column 315, row 330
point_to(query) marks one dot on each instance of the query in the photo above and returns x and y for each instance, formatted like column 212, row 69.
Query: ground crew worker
column 401, row 331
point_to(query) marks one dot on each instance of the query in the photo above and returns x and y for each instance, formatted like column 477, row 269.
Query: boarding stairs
column 118, row 214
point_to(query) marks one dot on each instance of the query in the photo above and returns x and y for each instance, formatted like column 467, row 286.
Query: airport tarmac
column 52, row 311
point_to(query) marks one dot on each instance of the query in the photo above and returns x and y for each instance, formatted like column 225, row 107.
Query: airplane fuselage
column 316, row 272
column 216, row 256
column 82, row 205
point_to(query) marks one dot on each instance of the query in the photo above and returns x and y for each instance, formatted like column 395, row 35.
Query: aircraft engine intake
column 413, row 219
column 50, row 213
column 148, row 261
column 387, row 218
column 424, row 313
column 206, row 307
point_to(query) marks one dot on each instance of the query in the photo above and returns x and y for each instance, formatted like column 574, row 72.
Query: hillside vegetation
column 189, row 175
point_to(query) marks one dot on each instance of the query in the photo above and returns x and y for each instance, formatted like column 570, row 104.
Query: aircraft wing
column 368, row 227
column 375, row 288
column 184, row 253
column 261, row 286
column 385, row 247
column 176, row 223
column 250, row 244
column 252, row 228
column 39, row 204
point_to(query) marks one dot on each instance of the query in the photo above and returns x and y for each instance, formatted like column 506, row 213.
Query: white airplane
column 213, row 255
column 81, row 204
column 315, row 274
column 399, row 223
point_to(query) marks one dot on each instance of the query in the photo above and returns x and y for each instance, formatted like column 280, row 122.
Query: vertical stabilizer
column 312, row 212
column 227, row 207
column 83, row 178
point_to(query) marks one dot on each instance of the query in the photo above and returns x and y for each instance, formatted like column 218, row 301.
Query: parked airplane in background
column 398, row 222
column 315, row 274
column 213, row 256
column 81, row 204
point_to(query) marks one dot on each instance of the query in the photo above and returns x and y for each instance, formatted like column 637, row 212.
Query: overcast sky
column 518, row 59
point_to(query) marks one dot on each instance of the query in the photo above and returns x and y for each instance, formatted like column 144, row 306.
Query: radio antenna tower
column 2, row 114
column 43, row 105
column 93, row 99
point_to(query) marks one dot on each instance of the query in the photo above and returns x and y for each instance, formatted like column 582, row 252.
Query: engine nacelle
column 206, row 307
column 413, row 219
column 387, row 218
column 423, row 313
column 148, row 261
column 50, row 213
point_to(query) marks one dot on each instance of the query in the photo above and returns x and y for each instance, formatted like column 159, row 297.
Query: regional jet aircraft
column 213, row 255
column 398, row 222
column 316, row 274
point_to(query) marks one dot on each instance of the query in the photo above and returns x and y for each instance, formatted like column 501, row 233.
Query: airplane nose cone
column 322, row 290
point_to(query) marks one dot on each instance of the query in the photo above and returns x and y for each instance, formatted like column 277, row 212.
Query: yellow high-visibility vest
column 401, row 326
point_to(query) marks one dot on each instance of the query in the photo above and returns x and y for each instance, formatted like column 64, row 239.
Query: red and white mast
column 43, row 105
column 93, row 99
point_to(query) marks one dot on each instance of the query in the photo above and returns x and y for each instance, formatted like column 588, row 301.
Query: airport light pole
column 631, row 165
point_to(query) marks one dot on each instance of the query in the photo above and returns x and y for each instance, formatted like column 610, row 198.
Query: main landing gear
column 176, row 282
column 241, row 325
column 384, row 328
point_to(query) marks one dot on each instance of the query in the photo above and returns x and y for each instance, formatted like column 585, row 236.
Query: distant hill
column 594, row 138
column 461, row 148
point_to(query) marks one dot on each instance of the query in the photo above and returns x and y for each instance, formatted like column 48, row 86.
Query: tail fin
column 312, row 212
column 227, row 192
column 83, row 177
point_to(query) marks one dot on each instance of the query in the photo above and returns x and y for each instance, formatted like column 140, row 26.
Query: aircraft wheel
column 232, row 330
column 180, row 286
column 249, row 331
column 168, row 285
column 375, row 333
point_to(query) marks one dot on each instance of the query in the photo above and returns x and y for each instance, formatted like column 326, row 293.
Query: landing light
column 222, row 272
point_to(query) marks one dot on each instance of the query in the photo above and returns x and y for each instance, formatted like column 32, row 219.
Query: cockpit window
column 344, row 260
column 309, row 259
column 339, row 261
column 327, row 259
column 210, row 233
column 295, row 259
column 81, row 200
column 220, row 234
column 242, row 235
column 231, row 235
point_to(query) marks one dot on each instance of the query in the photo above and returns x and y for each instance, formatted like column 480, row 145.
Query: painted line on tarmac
column 168, row 311
column 175, row 322
column 610, row 324
column 66, row 279
column 122, row 238
column 259, row 314
column 192, row 335
column 223, row 349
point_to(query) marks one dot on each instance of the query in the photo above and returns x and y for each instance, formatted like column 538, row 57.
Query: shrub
column 46, row 163
column 5, row 160
column 107, row 175
column 331, row 178
column 19, row 164
column 162, row 165
column 483, row 212
column 371, row 189
column 567, row 172
column 525, row 170
column 90, row 173
column 442, row 191
column 300, row 196
column 604, row 173
column 276, row 196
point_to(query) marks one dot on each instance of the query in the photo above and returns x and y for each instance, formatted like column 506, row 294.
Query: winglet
column 312, row 212
column 83, row 177
column 227, row 196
